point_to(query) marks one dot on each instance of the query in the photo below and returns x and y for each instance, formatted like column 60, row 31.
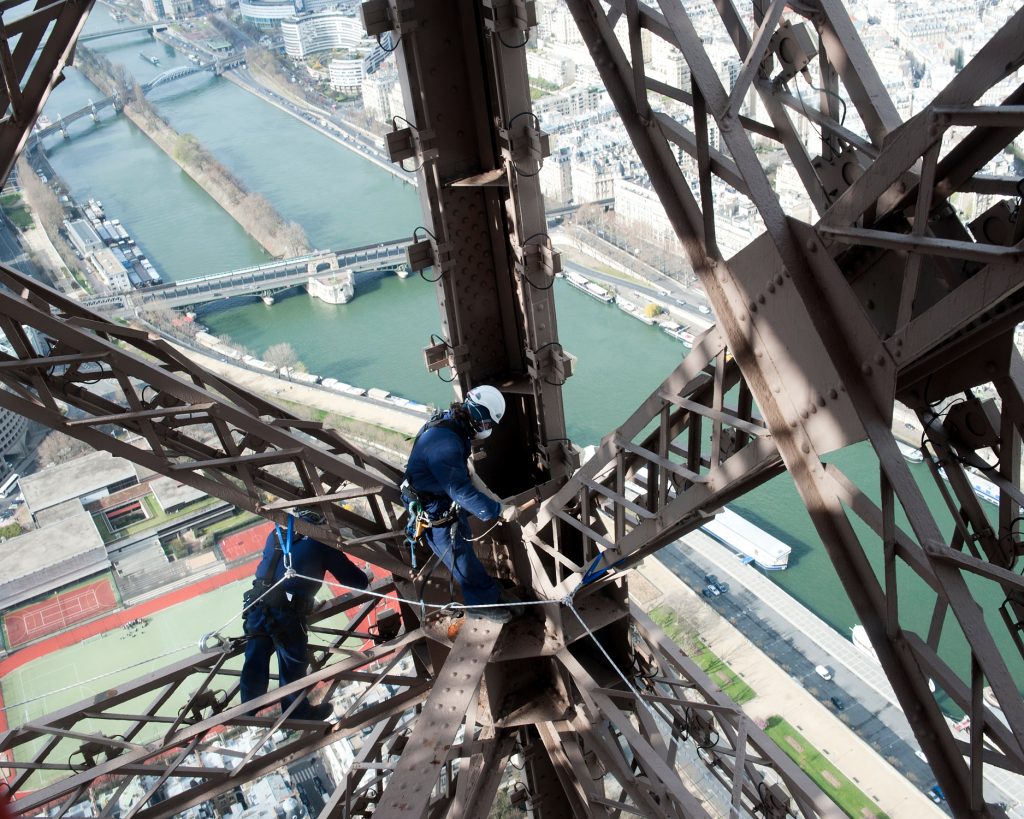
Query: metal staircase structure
column 885, row 296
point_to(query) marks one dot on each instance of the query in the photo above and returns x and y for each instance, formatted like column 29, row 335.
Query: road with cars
column 798, row 641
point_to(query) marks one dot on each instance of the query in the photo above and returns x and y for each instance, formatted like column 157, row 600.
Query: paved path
column 367, row 410
column 789, row 634
column 778, row 692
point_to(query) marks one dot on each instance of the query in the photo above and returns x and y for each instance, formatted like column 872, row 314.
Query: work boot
column 496, row 614
column 318, row 713
column 515, row 605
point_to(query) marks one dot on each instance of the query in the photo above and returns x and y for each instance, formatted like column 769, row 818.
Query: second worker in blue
column 277, row 623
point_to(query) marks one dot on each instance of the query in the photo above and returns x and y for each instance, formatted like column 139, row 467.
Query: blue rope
column 589, row 576
column 286, row 541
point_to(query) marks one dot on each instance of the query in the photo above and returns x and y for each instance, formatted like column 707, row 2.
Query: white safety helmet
column 486, row 407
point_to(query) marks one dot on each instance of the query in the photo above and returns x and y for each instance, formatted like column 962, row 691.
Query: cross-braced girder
column 873, row 302
column 883, row 294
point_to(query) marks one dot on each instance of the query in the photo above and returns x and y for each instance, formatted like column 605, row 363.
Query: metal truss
column 887, row 296
column 821, row 328
column 134, row 395
column 36, row 41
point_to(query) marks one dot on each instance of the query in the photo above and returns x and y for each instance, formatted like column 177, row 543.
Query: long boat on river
column 588, row 287
column 750, row 542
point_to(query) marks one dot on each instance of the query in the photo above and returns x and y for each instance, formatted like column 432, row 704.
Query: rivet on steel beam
column 833, row 394
column 805, row 448
column 752, row 307
column 779, row 280
column 812, row 246
column 821, row 400
column 880, row 360
column 866, row 369
column 803, row 414
column 760, row 299
column 771, row 288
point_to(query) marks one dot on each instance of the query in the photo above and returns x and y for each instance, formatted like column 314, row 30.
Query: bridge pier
column 333, row 288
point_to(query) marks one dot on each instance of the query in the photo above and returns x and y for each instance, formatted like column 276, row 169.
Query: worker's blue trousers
column 271, row 630
column 457, row 555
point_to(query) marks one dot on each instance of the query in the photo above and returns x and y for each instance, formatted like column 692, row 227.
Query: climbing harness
column 419, row 520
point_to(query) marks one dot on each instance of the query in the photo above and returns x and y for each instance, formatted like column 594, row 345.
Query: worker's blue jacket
column 438, row 473
column 310, row 558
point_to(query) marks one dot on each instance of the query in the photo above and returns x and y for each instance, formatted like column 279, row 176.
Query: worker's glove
column 509, row 513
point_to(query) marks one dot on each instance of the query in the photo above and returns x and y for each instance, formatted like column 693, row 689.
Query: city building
column 550, row 68
column 51, row 557
column 381, row 93
column 83, row 236
column 13, row 432
column 574, row 101
column 593, row 178
column 179, row 9
column 637, row 205
column 346, row 75
column 153, row 9
column 84, row 479
column 556, row 177
column 309, row 33
column 268, row 13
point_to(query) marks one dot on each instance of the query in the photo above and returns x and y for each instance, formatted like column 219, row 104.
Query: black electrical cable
column 830, row 92
column 508, row 45
column 432, row 236
column 537, row 125
column 384, row 47
column 544, row 347
column 523, row 275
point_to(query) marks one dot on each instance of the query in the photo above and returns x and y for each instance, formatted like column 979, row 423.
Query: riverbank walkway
column 654, row 584
column 360, row 408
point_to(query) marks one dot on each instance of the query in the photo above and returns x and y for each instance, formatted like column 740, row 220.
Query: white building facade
column 306, row 34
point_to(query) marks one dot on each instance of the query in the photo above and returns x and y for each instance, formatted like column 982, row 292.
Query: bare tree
column 58, row 448
column 281, row 355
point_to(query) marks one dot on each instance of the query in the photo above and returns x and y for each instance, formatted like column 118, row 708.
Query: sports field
column 124, row 653
column 58, row 612
column 102, row 661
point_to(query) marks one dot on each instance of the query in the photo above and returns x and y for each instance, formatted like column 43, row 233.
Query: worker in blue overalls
column 442, row 493
column 277, row 622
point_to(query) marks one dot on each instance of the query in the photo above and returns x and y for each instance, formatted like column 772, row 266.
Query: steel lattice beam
column 820, row 328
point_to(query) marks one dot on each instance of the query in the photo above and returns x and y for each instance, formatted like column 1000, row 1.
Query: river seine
column 342, row 200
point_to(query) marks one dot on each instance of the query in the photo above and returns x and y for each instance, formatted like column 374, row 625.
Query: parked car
column 838, row 703
column 823, row 671
column 721, row 587
column 936, row 795
column 710, row 590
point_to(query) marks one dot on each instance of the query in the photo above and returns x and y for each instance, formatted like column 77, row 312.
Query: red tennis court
column 247, row 542
column 60, row 611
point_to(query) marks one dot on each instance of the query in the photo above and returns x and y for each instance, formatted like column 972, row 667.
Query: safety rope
column 566, row 601
column 214, row 640
column 105, row 674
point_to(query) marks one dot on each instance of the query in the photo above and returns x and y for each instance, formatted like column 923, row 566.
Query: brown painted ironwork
column 821, row 329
